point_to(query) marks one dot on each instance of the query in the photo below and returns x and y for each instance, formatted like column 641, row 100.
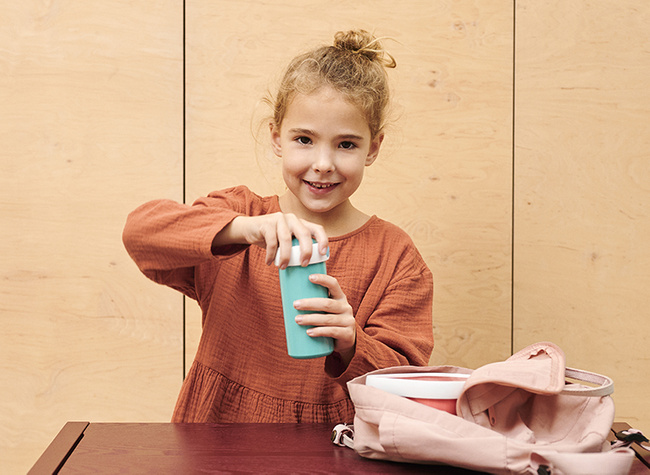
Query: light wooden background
column 518, row 162
column 582, row 189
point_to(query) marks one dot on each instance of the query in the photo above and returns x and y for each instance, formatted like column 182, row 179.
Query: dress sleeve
column 398, row 331
column 167, row 239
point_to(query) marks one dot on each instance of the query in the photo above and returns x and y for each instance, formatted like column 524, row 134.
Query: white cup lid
column 416, row 384
column 294, row 260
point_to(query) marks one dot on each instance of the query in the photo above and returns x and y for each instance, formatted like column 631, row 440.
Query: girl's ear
column 374, row 149
column 275, row 139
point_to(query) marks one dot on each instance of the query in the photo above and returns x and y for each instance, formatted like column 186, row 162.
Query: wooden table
column 82, row 447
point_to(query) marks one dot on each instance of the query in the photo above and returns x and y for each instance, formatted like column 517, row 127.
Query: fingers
column 274, row 232
column 330, row 283
column 301, row 230
column 318, row 232
column 286, row 226
column 270, row 243
column 340, row 327
column 283, row 236
column 333, row 317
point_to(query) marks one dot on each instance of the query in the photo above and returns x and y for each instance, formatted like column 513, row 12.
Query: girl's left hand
column 335, row 321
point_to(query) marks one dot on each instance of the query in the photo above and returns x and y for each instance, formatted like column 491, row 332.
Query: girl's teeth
column 317, row 185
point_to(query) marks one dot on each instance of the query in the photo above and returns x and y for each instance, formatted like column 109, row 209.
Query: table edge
column 60, row 448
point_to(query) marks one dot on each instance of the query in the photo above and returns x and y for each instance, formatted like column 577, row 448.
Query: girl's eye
column 347, row 145
column 303, row 140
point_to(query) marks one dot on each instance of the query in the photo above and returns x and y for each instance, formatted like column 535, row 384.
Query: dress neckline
column 340, row 237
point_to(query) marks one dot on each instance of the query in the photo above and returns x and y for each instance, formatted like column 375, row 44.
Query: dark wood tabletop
column 83, row 447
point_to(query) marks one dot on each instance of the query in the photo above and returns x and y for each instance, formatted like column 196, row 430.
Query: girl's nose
column 324, row 162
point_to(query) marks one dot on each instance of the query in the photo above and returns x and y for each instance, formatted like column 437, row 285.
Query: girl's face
column 325, row 144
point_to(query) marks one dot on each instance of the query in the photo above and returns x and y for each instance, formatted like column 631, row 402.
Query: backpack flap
column 526, row 399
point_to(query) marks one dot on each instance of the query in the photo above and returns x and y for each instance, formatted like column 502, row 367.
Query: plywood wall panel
column 444, row 173
column 582, row 214
column 91, row 126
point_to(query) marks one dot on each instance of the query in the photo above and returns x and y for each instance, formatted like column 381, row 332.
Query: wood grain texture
column 225, row 448
column 582, row 219
column 444, row 174
column 91, row 126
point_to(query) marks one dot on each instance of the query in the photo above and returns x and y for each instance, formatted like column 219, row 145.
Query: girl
column 327, row 126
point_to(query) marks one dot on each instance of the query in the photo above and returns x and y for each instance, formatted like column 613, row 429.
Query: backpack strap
column 343, row 435
column 605, row 385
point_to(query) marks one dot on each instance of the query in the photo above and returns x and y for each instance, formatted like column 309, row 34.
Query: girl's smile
column 320, row 187
column 325, row 144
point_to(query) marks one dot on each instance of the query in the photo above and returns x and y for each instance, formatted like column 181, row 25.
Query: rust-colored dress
column 241, row 372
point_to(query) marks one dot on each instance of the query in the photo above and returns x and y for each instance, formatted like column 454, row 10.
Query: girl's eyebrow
column 350, row 137
column 299, row 131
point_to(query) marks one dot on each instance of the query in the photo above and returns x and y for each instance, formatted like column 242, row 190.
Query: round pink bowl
column 437, row 390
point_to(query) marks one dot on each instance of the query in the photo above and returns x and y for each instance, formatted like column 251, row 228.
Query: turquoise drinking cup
column 295, row 285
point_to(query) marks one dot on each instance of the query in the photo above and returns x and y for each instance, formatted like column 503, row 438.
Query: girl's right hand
column 273, row 232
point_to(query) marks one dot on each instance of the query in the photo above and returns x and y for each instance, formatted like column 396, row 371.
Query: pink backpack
column 515, row 416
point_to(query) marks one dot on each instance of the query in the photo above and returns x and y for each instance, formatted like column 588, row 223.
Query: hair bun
column 364, row 43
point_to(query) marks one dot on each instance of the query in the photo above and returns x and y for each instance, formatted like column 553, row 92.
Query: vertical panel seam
column 512, row 198
column 184, row 302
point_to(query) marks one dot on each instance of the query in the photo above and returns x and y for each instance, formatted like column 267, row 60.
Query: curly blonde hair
column 355, row 65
